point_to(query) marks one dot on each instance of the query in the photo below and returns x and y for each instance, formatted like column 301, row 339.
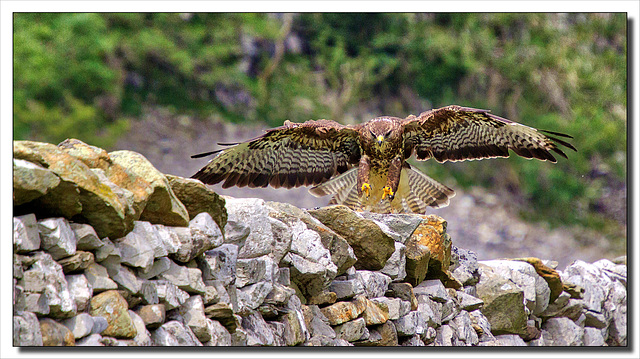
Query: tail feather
column 423, row 192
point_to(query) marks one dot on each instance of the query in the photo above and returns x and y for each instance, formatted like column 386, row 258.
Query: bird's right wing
column 293, row 155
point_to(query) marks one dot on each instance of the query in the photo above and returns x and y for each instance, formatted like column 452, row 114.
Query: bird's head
column 380, row 131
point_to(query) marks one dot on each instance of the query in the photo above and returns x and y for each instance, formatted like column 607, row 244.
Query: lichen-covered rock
column 31, row 181
column 162, row 205
column 114, row 308
column 197, row 198
column 503, row 302
column 428, row 248
column 396, row 307
column 375, row 313
column 223, row 313
column 25, row 234
column 536, row 290
column 342, row 312
column 80, row 191
column 403, row 291
column 55, row 334
column 370, row 244
column 26, row 330
column 252, row 296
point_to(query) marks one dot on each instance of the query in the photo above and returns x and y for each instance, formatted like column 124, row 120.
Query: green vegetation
column 89, row 75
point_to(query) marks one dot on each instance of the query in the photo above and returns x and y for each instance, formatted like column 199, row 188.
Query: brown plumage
column 364, row 166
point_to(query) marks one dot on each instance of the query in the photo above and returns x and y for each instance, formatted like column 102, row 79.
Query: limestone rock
column 253, row 270
column 410, row 324
column 381, row 335
column 98, row 278
column 403, row 291
column 370, row 244
column 81, row 325
column 79, row 261
column 562, row 332
column 252, row 296
column 149, row 233
column 317, row 323
column 342, row 254
column 162, row 205
column 185, row 278
column 192, row 310
column 223, row 313
column 114, row 308
column 219, row 334
column 197, row 198
column 31, row 181
column 57, row 237
column 434, row 289
column 153, row 315
column 135, row 251
column 174, row 333
column 202, row 235
column 26, row 330
column 160, row 265
column 45, row 277
column 252, row 213
column 375, row 284
column 399, row 226
column 465, row 266
column 219, row 263
column 396, row 307
column 352, row 330
column 55, row 334
column 259, row 333
column 396, row 265
column 346, row 289
column 25, row 234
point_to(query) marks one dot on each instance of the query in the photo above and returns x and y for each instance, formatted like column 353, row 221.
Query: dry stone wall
column 110, row 252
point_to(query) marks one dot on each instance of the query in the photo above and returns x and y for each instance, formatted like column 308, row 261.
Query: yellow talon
column 366, row 188
column 386, row 191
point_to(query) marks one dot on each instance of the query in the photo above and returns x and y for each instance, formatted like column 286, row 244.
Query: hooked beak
column 380, row 139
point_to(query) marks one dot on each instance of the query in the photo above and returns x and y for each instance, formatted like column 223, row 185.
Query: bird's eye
column 372, row 134
column 386, row 135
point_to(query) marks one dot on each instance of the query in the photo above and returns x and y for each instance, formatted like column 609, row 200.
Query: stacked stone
column 246, row 272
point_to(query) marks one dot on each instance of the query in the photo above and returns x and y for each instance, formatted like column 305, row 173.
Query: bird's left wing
column 293, row 155
column 455, row 133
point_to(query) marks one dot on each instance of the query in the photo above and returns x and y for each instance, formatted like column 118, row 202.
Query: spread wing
column 455, row 133
column 293, row 155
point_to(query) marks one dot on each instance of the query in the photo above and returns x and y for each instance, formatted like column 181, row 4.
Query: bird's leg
column 393, row 179
column 363, row 176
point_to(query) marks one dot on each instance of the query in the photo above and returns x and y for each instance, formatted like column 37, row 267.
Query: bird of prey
column 364, row 166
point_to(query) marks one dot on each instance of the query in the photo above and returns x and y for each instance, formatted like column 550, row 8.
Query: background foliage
column 89, row 76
